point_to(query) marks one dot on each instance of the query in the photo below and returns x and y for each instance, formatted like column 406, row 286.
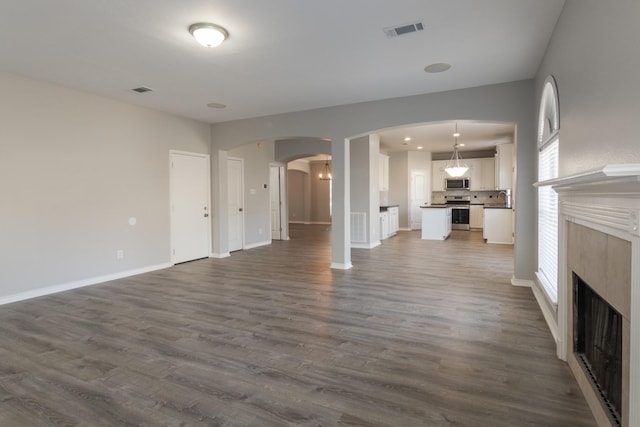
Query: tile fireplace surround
column 599, row 239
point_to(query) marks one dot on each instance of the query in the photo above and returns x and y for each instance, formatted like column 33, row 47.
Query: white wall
column 593, row 55
column 73, row 169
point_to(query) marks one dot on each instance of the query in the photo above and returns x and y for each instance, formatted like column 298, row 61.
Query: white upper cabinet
column 482, row 174
column 438, row 175
column 384, row 172
column 504, row 166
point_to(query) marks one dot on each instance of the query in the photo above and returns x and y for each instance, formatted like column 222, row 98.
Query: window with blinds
column 548, row 219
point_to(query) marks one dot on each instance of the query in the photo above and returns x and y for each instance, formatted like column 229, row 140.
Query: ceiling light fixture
column 208, row 35
column 216, row 105
column 453, row 167
column 408, row 138
column 327, row 172
column 419, row 147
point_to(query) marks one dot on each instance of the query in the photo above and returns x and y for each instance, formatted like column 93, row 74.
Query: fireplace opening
column 597, row 344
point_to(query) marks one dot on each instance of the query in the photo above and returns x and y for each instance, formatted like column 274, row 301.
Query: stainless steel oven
column 459, row 211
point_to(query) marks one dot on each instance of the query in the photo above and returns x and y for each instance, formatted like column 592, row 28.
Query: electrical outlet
column 119, row 254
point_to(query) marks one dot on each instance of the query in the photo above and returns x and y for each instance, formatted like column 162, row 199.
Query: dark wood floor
column 418, row 333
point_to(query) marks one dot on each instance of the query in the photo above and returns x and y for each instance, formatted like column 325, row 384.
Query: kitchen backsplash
column 478, row 197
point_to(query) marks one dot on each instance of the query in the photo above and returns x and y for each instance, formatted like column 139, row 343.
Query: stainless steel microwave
column 457, row 184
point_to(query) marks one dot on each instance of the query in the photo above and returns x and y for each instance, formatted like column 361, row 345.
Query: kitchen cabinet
column 394, row 220
column 438, row 175
column 436, row 223
column 476, row 217
column 482, row 176
column 504, row 166
column 498, row 225
column 384, row 225
column 389, row 221
column 384, row 172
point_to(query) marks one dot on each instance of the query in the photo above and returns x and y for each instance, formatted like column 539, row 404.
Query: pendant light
column 454, row 168
column 327, row 172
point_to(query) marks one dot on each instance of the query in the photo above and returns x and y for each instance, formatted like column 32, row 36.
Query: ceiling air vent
column 142, row 89
column 403, row 29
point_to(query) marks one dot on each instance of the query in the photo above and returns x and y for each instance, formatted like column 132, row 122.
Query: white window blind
column 548, row 219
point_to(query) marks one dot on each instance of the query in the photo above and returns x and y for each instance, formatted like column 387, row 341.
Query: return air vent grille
column 358, row 227
column 142, row 89
column 404, row 29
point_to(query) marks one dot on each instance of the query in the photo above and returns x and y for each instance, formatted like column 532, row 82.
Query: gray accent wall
column 74, row 167
column 399, row 185
column 320, row 212
column 298, row 192
column 257, row 159
column 593, row 55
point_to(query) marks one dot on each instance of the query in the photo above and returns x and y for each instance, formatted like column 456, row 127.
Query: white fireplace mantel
column 608, row 200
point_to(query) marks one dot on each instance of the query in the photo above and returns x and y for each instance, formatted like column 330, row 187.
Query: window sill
column 549, row 291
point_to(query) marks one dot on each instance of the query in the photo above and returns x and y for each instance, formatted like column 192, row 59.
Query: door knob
column 239, row 209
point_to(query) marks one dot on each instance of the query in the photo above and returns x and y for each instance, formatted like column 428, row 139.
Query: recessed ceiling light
column 419, row 147
column 407, row 138
column 457, row 134
column 216, row 105
column 461, row 145
column 208, row 35
column 438, row 67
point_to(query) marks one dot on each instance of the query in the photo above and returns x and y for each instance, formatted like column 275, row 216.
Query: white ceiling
column 438, row 137
column 281, row 56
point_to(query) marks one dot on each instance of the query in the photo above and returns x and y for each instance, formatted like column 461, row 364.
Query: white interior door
column 276, row 203
column 190, row 210
column 418, row 197
column 235, row 204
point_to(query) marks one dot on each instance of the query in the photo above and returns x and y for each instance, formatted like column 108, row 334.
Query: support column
column 219, row 190
column 341, row 196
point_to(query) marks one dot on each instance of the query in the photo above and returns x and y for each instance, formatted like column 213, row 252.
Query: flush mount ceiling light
column 208, row 35
column 438, row 67
column 454, row 168
column 216, row 105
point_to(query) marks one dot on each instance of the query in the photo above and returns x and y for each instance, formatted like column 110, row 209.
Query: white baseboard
column 521, row 283
column 339, row 266
column 21, row 296
column 547, row 310
column 365, row 245
column 257, row 245
column 222, row 255
column 406, row 229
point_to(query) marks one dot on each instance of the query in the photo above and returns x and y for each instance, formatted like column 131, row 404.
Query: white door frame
column 171, row 198
column 242, row 224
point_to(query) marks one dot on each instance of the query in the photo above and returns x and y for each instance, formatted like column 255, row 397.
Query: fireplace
column 596, row 322
column 597, row 345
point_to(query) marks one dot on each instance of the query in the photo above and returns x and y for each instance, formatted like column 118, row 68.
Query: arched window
column 548, row 150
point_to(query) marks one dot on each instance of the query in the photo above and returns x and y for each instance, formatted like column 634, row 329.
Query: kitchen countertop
column 385, row 207
column 434, row 206
column 496, row 206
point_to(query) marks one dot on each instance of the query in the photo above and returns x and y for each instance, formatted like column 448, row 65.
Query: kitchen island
column 436, row 222
column 498, row 224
